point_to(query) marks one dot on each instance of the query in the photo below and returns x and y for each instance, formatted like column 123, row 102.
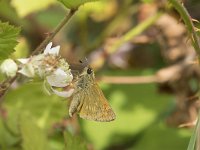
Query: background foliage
column 30, row 119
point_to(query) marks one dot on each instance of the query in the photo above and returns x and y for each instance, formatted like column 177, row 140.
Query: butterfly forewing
column 94, row 105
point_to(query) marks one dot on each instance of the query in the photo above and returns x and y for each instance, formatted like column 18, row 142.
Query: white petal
column 60, row 72
column 59, row 78
column 49, row 50
column 48, row 47
column 54, row 50
column 27, row 70
column 54, row 81
column 63, row 93
column 23, row 60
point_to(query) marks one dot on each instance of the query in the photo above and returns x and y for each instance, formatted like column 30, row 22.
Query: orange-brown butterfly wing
column 94, row 106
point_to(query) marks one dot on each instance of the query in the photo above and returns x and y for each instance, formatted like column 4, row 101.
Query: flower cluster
column 48, row 66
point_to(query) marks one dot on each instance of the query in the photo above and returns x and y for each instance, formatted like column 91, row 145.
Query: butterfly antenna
column 84, row 62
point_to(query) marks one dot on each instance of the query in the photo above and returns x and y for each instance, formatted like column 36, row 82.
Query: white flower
column 49, row 50
column 60, row 78
column 50, row 67
column 62, row 92
column 41, row 64
column 9, row 68
column 67, row 93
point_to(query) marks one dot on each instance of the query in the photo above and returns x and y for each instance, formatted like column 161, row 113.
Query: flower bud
column 9, row 68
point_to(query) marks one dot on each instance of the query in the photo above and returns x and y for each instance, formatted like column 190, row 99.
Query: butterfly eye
column 89, row 70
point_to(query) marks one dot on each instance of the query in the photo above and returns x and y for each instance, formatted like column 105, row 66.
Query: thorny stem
column 6, row 84
column 188, row 22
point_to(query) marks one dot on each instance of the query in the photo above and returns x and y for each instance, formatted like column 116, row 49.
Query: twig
column 112, row 26
column 129, row 79
column 57, row 29
column 5, row 85
column 135, row 31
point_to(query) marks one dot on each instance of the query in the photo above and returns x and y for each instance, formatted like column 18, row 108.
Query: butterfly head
column 88, row 73
column 86, row 70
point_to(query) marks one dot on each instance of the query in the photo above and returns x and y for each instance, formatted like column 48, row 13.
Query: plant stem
column 188, row 22
column 5, row 85
column 129, row 79
column 135, row 31
column 56, row 30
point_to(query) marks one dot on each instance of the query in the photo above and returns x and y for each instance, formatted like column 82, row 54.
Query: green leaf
column 73, row 142
column 7, row 138
column 74, row 4
column 8, row 39
column 31, row 98
column 33, row 138
column 8, row 12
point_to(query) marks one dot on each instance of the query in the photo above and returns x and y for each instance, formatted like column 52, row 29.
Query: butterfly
column 88, row 99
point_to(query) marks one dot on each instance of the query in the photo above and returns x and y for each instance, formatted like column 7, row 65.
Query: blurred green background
column 33, row 120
